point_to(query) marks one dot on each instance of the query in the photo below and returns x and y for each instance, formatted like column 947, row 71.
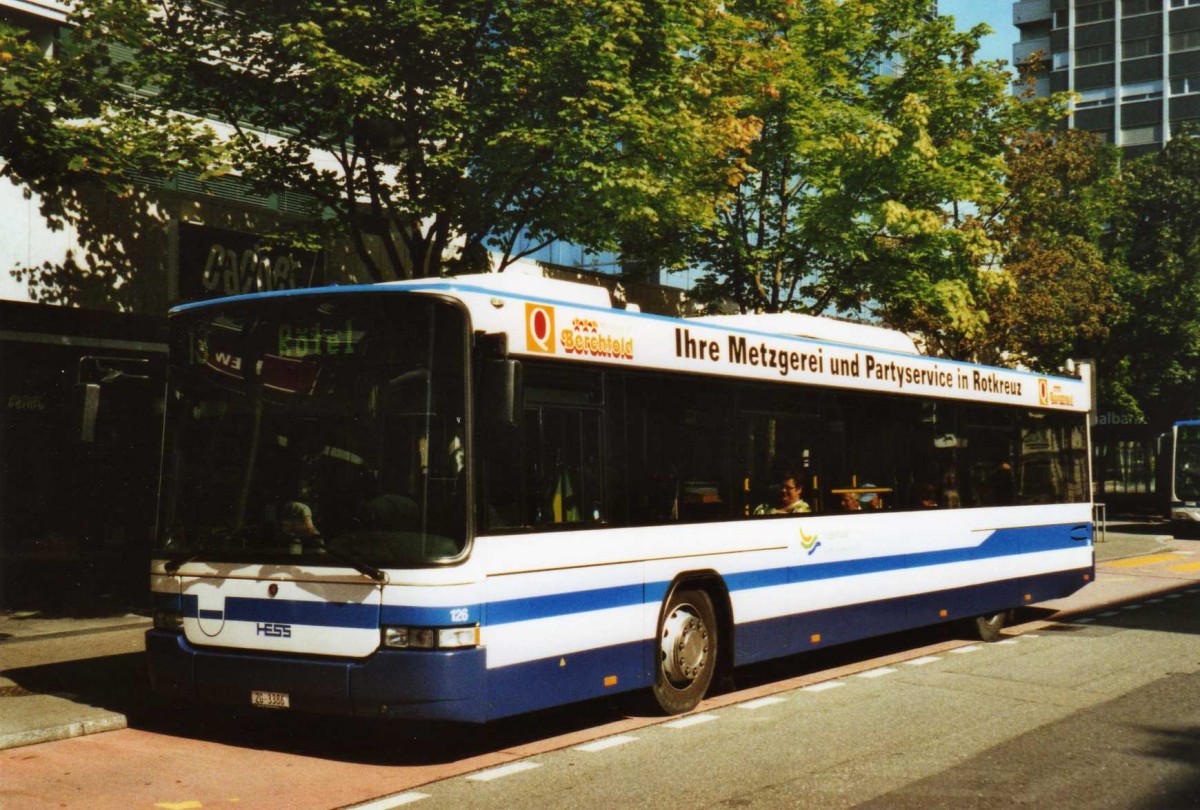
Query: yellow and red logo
column 1048, row 395
column 539, row 328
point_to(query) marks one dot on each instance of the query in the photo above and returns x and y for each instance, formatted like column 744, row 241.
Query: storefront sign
column 214, row 263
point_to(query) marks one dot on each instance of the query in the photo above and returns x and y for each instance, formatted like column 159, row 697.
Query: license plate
column 270, row 700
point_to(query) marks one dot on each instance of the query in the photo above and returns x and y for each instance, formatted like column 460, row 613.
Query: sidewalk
column 66, row 677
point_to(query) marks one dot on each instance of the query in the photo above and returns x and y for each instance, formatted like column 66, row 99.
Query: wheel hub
column 685, row 645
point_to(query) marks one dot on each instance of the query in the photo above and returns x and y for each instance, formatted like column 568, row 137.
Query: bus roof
column 556, row 319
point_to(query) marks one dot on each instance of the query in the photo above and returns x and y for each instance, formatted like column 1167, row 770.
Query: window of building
column 1146, row 46
column 1094, row 55
column 1132, row 7
column 1140, row 136
column 1061, row 60
column 1062, row 18
column 1182, row 85
column 1184, row 3
column 1142, row 91
column 1095, row 98
column 1093, row 13
column 1185, row 40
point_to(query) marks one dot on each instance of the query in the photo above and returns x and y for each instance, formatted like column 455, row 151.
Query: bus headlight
column 431, row 638
column 168, row 620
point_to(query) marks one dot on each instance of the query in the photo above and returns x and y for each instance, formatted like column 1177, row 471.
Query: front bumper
column 416, row 684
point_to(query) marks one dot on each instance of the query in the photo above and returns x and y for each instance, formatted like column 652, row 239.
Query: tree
column 72, row 134
column 863, row 182
column 1153, row 357
column 1046, row 294
column 430, row 132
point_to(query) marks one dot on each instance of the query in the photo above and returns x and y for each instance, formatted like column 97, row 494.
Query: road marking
column 1132, row 607
column 1008, row 642
column 1191, row 566
column 1134, row 562
column 1108, row 613
column 190, row 804
column 388, row 802
column 1085, row 620
column 691, row 720
column 1153, row 601
column 970, row 648
column 922, row 661
column 503, row 771
column 876, row 673
column 758, row 704
column 1173, row 596
column 821, row 687
column 605, row 744
column 1192, row 590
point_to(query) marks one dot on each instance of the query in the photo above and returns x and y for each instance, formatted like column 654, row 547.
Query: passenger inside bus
column 790, row 502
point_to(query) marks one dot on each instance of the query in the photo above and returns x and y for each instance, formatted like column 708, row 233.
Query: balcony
column 46, row 9
column 1025, row 48
column 1026, row 12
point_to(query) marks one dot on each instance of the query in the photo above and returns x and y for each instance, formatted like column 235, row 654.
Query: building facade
column 1134, row 64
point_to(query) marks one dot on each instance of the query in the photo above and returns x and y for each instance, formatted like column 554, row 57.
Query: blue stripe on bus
column 321, row 614
column 1001, row 543
column 411, row 615
column 532, row 685
column 538, row 607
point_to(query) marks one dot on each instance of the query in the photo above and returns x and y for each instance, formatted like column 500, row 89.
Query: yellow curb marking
column 1134, row 562
column 191, row 804
column 1192, row 566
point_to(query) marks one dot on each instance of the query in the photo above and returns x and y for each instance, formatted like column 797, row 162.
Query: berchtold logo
column 274, row 630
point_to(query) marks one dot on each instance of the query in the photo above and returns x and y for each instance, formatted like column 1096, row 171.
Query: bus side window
column 679, row 456
column 564, row 468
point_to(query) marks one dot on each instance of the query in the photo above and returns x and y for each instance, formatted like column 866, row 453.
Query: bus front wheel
column 687, row 651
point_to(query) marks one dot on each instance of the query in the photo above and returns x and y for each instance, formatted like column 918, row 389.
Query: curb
column 66, row 731
column 86, row 631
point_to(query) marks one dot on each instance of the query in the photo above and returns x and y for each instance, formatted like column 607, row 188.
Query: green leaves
column 1153, row 357
column 876, row 122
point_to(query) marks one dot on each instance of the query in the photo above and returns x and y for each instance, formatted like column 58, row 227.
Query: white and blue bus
column 1182, row 470
column 466, row 498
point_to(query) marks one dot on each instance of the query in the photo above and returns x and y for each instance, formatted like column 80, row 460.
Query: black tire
column 687, row 651
column 988, row 626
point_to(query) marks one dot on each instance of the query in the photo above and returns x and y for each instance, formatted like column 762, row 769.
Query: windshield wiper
column 173, row 565
column 355, row 561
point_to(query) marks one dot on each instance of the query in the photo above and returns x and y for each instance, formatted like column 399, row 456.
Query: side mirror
column 503, row 395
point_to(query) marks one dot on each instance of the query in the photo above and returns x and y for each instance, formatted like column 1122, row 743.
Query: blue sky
column 996, row 13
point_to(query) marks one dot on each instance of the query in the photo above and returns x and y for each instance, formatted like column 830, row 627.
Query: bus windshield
column 1187, row 463
column 316, row 429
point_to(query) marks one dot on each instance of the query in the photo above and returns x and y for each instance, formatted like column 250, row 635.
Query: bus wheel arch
column 692, row 641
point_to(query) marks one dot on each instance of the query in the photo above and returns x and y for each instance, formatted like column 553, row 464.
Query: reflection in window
column 1053, row 461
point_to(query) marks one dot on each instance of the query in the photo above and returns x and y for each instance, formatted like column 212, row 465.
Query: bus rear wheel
column 687, row 651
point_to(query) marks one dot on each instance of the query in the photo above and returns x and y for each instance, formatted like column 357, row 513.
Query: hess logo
column 539, row 328
column 274, row 630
